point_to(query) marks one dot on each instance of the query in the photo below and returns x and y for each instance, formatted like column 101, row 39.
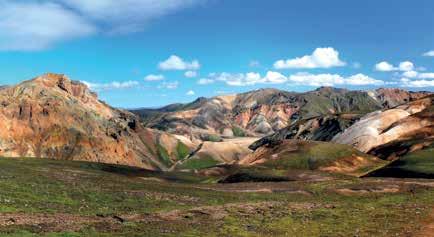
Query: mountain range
column 54, row 117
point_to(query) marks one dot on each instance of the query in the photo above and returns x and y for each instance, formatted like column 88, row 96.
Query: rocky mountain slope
column 54, row 117
column 265, row 111
column 394, row 132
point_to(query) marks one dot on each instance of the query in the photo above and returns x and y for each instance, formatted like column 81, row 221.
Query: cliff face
column 54, row 117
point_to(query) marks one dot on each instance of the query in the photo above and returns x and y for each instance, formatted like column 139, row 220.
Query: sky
column 149, row 53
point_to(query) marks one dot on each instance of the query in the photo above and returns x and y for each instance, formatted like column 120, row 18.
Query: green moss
column 238, row 132
column 212, row 138
column 163, row 155
column 42, row 186
column 196, row 163
column 182, row 150
column 418, row 162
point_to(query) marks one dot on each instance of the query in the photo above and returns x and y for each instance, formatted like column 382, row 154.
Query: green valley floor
column 40, row 197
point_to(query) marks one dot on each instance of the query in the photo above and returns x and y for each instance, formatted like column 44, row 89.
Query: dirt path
column 428, row 228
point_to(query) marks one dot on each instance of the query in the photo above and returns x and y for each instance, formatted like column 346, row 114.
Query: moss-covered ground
column 66, row 198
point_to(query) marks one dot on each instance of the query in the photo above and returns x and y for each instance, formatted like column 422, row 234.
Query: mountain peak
column 61, row 82
column 330, row 89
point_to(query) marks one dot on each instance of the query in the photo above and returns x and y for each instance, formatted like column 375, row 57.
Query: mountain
column 323, row 127
column 266, row 111
column 394, row 132
column 255, row 113
column 52, row 116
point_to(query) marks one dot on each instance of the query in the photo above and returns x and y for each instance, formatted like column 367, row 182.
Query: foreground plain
column 41, row 197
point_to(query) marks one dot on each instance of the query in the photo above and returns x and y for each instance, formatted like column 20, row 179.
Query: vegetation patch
column 197, row 163
column 182, row 150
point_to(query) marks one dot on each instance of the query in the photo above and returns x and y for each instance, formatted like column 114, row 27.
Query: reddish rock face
column 54, row 117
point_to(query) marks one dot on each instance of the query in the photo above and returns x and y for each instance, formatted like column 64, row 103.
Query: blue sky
column 148, row 53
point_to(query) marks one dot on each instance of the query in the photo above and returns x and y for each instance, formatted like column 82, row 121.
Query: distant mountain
column 265, row 111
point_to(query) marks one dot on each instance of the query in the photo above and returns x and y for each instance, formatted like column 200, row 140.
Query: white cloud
column 152, row 77
column 429, row 53
column 410, row 74
column 39, row 24
column 320, row 58
column 405, row 82
column 427, row 75
column 332, row 80
column 190, row 93
column 361, row 79
column 251, row 78
column 169, row 85
column 414, row 74
column 126, row 16
column 176, row 63
column 111, row 85
column 387, row 67
column 238, row 79
column 406, row 66
column 29, row 26
column 274, row 78
column 205, row 81
column 384, row 67
column 190, row 74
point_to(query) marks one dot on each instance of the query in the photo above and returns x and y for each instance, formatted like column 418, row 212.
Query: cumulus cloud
column 190, row 93
column 385, row 66
column 429, row 54
column 303, row 78
column 405, row 82
column 320, row 58
column 414, row 74
column 111, row 85
column 152, row 77
column 332, row 80
column 406, row 66
column 169, row 85
column 177, row 63
column 237, row 79
column 427, row 75
column 190, row 74
column 410, row 74
column 248, row 79
column 39, row 24
column 29, row 26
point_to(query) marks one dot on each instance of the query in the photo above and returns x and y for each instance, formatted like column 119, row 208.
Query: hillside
column 265, row 111
column 417, row 164
column 313, row 156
